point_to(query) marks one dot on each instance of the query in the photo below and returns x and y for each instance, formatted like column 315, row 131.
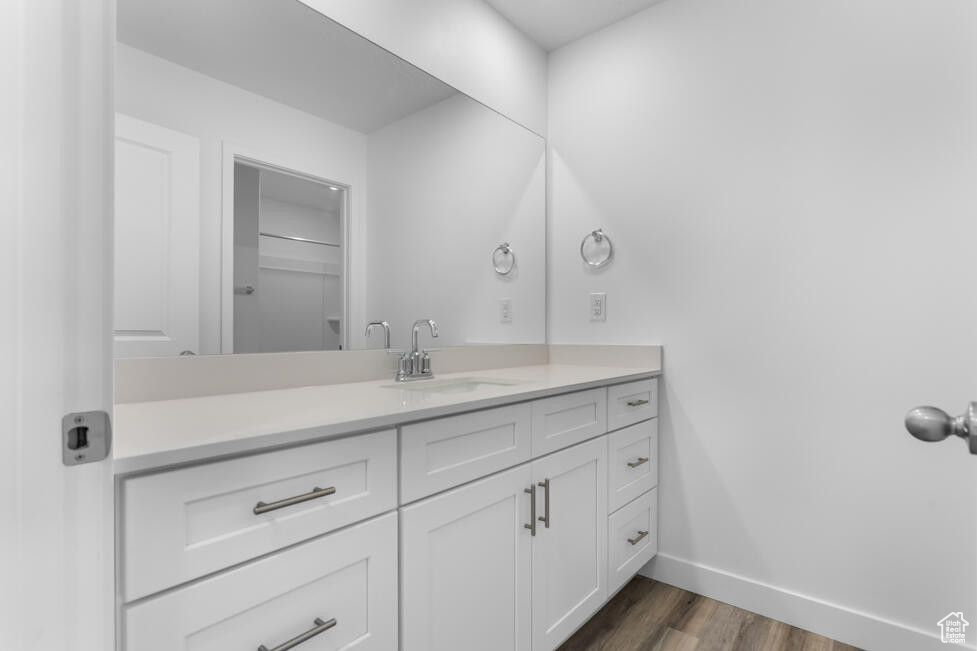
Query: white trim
column 832, row 620
column 231, row 153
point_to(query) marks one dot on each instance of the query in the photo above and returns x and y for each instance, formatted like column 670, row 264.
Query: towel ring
column 503, row 259
column 598, row 236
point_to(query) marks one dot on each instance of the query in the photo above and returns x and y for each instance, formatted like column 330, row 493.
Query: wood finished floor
column 650, row 616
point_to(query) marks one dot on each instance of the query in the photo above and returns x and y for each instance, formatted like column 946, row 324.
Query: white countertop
column 150, row 435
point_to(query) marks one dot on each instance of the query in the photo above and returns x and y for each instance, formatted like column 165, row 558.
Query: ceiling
column 553, row 23
column 285, row 51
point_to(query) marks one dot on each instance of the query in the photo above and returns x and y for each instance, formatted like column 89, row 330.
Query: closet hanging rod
column 299, row 239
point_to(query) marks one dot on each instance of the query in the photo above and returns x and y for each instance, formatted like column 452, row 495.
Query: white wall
column 447, row 185
column 465, row 43
column 155, row 90
column 790, row 186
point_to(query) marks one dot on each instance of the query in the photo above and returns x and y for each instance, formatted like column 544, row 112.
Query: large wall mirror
column 281, row 182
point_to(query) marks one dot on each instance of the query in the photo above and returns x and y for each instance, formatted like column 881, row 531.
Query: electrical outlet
column 598, row 307
column 505, row 310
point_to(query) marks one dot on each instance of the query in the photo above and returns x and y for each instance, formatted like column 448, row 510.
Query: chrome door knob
column 932, row 425
column 929, row 424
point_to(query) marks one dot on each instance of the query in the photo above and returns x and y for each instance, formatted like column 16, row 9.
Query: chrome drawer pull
column 635, row 464
column 320, row 627
column 316, row 493
column 641, row 536
column 545, row 518
column 532, row 509
column 637, row 403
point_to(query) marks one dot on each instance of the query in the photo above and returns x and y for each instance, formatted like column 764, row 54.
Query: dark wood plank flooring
column 650, row 616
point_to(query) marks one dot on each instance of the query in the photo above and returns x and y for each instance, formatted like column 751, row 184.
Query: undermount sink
column 454, row 385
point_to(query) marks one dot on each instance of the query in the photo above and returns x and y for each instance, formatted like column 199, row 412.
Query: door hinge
column 86, row 437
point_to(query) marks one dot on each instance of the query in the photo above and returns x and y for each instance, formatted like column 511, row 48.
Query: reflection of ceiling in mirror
column 285, row 51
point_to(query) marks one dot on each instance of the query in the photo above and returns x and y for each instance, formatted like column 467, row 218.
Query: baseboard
column 831, row 620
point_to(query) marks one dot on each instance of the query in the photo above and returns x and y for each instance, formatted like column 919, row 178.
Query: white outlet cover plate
column 598, row 306
column 505, row 310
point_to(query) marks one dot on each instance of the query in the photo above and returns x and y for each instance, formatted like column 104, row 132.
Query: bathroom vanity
column 494, row 509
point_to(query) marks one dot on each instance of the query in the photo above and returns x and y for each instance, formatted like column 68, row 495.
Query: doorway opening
column 289, row 260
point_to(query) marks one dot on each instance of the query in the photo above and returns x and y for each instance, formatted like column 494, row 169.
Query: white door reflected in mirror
column 157, row 233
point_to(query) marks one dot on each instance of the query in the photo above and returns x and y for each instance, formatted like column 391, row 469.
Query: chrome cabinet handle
column 315, row 494
column 545, row 518
column 637, row 403
column 635, row 464
column 532, row 509
column 320, row 627
column 641, row 536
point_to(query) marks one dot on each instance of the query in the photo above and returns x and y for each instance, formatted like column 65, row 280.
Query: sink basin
column 454, row 385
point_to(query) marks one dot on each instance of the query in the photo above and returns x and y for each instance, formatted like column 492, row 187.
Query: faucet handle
column 405, row 366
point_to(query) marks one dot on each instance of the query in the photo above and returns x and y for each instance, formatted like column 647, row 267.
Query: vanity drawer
column 438, row 454
column 183, row 524
column 631, row 403
column 632, row 539
column 349, row 577
column 633, row 458
column 565, row 420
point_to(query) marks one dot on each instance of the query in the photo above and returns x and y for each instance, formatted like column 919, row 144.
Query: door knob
column 932, row 425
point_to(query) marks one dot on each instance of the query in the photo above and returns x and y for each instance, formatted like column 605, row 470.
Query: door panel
column 569, row 556
column 56, row 543
column 157, row 234
column 465, row 566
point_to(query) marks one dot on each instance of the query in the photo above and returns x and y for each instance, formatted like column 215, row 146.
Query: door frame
column 232, row 153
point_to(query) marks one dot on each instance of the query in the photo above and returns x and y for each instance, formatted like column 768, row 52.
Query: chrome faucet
column 415, row 364
column 386, row 331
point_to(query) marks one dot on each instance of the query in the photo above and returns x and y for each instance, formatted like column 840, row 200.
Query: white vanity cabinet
column 511, row 527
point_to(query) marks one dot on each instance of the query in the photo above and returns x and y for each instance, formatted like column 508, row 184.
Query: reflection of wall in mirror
column 447, row 184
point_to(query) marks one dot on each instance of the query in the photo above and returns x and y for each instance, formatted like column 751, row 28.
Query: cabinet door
column 570, row 554
column 465, row 567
